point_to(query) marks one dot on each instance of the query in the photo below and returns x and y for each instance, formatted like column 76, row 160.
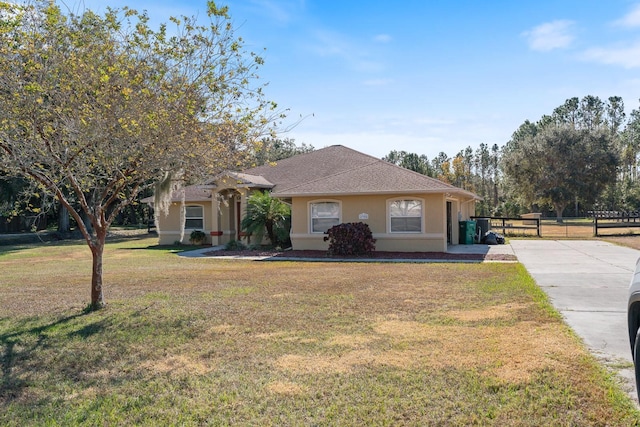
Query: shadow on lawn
column 164, row 248
column 23, row 345
column 8, row 244
column 7, row 249
column 17, row 347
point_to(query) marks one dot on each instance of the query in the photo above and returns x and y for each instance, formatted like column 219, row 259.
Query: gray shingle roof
column 192, row 193
column 250, row 180
column 311, row 166
column 340, row 170
column 333, row 170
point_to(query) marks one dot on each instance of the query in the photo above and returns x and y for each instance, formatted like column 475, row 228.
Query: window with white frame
column 324, row 215
column 405, row 216
column 194, row 218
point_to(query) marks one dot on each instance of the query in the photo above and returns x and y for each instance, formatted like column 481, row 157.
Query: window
column 405, row 216
column 194, row 217
column 324, row 215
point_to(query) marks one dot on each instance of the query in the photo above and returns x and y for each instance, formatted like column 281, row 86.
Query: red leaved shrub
column 352, row 238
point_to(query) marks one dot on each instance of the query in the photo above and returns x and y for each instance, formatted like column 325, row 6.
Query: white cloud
column 332, row 44
column 378, row 133
column 382, row 38
column 625, row 56
column 433, row 121
column 550, row 35
column 275, row 10
column 631, row 19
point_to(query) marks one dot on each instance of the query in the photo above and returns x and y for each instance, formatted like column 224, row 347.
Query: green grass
column 211, row 342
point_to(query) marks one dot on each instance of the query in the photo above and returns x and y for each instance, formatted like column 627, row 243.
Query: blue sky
column 427, row 76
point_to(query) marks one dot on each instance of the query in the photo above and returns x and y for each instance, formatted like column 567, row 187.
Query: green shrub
column 353, row 238
column 235, row 245
column 197, row 237
column 267, row 214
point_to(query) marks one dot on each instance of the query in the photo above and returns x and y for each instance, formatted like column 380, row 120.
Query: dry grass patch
column 286, row 388
column 512, row 354
column 222, row 329
column 179, row 365
column 352, row 341
column 500, row 311
column 629, row 241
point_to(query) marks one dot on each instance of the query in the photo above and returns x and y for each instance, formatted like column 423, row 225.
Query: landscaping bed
column 380, row 255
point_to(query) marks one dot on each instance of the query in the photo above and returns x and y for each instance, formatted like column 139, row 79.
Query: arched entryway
column 227, row 216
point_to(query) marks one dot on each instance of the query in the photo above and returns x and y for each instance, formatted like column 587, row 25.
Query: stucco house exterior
column 406, row 211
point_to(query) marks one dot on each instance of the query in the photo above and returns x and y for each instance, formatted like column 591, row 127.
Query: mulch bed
column 375, row 255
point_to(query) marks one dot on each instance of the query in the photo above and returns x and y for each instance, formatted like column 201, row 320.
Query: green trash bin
column 467, row 233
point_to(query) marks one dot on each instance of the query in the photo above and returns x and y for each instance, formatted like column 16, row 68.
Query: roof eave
column 268, row 187
column 374, row 193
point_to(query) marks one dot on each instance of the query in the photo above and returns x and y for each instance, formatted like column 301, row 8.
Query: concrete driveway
column 587, row 282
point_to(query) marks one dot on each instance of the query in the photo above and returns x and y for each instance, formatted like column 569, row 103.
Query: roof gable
column 334, row 170
column 376, row 178
column 244, row 180
column 332, row 160
column 340, row 170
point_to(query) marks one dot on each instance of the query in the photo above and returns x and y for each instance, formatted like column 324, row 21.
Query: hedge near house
column 353, row 238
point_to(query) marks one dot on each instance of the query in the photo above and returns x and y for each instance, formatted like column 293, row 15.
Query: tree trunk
column 97, row 249
column 63, row 220
column 87, row 222
column 270, row 234
column 559, row 207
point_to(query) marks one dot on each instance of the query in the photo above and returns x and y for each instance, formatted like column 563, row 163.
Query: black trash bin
column 482, row 226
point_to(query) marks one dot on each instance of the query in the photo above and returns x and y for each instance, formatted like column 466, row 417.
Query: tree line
column 474, row 170
column 581, row 157
column 28, row 209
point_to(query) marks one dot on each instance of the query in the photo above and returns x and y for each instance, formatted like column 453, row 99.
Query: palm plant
column 265, row 213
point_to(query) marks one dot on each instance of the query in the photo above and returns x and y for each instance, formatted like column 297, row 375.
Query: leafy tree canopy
column 96, row 109
column 411, row 161
column 273, row 149
column 559, row 163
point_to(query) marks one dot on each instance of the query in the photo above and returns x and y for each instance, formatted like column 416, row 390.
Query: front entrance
column 228, row 212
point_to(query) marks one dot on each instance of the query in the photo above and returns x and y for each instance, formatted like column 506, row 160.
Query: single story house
column 406, row 211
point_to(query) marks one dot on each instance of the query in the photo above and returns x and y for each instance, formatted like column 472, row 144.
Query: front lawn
column 212, row 342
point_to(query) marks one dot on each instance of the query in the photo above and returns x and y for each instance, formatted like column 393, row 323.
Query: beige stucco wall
column 432, row 239
column 169, row 231
column 468, row 209
column 220, row 217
